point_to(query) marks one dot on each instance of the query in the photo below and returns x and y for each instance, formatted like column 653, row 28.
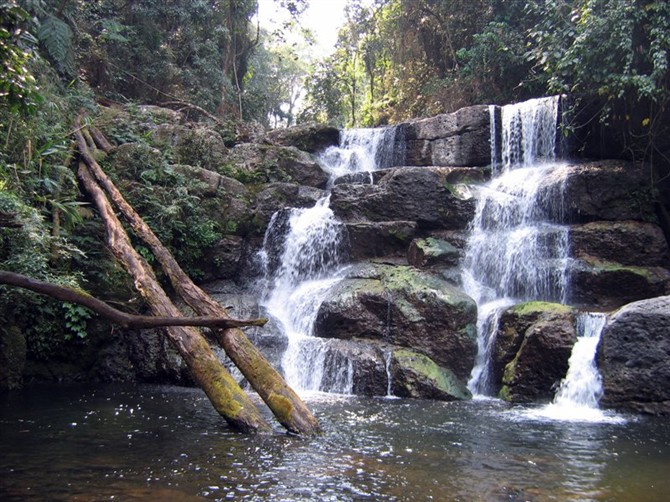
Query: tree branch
column 71, row 295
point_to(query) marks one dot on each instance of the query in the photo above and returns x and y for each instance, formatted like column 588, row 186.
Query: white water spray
column 579, row 392
column 515, row 251
column 308, row 256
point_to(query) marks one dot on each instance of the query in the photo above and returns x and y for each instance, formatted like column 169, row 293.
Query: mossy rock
column 531, row 351
column 432, row 252
column 406, row 307
column 418, row 376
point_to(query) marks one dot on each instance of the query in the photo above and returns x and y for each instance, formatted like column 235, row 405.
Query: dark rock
column 424, row 195
column 626, row 242
column 405, row 307
column 310, row 137
column 268, row 164
column 278, row 196
column 223, row 260
column 12, row 357
column 387, row 238
column 531, row 350
column 455, row 139
column 432, row 252
column 602, row 190
column 154, row 360
column 634, row 357
column 416, row 375
column 608, row 285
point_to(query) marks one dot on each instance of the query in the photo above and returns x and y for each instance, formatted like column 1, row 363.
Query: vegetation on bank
column 394, row 60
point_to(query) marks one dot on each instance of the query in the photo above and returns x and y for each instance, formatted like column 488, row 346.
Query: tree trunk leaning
column 226, row 396
column 286, row 405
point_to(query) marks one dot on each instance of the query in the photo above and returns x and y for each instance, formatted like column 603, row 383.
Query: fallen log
column 125, row 320
column 225, row 394
column 285, row 404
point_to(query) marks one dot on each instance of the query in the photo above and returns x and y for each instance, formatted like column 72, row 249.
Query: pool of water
column 167, row 443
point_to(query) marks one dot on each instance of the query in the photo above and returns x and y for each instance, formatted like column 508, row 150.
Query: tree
column 616, row 53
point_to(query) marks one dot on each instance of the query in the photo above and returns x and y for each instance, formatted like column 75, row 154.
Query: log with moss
column 285, row 404
column 225, row 394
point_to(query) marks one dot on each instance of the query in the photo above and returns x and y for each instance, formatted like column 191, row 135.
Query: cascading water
column 516, row 252
column 578, row 395
column 303, row 257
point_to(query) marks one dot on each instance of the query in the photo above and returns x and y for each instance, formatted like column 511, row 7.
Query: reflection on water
column 77, row 443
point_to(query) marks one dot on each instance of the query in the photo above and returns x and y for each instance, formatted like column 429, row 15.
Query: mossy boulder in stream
column 418, row 376
column 531, row 351
column 405, row 307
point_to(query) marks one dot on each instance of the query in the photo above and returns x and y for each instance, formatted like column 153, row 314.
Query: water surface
column 167, row 443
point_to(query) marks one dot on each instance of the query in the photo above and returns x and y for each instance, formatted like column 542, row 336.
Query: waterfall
column 303, row 256
column 515, row 250
column 579, row 392
column 364, row 151
column 529, row 132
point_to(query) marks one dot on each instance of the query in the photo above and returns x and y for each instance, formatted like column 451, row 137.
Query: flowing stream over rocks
column 308, row 248
column 517, row 249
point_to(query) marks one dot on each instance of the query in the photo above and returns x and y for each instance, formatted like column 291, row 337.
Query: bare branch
column 71, row 295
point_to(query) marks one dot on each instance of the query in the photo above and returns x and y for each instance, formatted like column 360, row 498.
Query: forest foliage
column 394, row 60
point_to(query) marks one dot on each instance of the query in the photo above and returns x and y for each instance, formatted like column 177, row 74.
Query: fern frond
column 55, row 36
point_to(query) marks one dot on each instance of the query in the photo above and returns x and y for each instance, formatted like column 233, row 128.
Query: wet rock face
column 603, row 190
column 634, row 357
column 532, row 348
column 433, row 252
column 617, row 262
column 404, row 307
column 453, row 139
column 431, row 197
column 416, row 375
column 310, row 137
column 12, row 358
column 634, row 243
column 609, row 285
column 277, row 196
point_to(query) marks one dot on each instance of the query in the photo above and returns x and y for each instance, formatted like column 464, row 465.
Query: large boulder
column 632, row 243
column 258, row 164
column 310, row 137
column 601, row 190
column 634, row 357
column 405, row 307
column 531, row 350
column 454, row 139
column 432, row 197
column 609, row 285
